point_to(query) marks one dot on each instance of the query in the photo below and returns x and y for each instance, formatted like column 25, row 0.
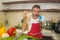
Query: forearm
column 24, row 25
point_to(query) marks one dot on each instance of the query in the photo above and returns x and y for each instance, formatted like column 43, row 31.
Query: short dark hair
column 37, row 6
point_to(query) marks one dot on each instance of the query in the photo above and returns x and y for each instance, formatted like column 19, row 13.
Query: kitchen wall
column 2, row 17
column 14, row 18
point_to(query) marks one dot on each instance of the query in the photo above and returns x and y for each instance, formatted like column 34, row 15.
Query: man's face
column 35, row 11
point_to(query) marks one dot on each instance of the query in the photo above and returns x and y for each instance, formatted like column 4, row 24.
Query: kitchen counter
column 55, row 36
column 51, row 33
column 45, row 32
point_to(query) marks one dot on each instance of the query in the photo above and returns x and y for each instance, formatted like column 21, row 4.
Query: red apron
column 35, row 31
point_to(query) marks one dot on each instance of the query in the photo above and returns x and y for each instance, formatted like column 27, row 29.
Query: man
column 33, row 24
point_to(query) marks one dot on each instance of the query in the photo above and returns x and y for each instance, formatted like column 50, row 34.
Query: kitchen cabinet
column 29, row 10
column 27, row 5
column 32, row 1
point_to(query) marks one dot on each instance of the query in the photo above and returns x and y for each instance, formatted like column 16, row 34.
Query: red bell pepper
column 12, row 31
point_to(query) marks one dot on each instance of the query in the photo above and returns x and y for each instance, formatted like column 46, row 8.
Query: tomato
column 12, row 31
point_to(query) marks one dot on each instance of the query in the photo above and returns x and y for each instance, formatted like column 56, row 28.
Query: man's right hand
column 24, row 14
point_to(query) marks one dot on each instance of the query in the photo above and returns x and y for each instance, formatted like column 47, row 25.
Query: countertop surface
column 45, row 32
column 51, row 33
column 56, row 36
